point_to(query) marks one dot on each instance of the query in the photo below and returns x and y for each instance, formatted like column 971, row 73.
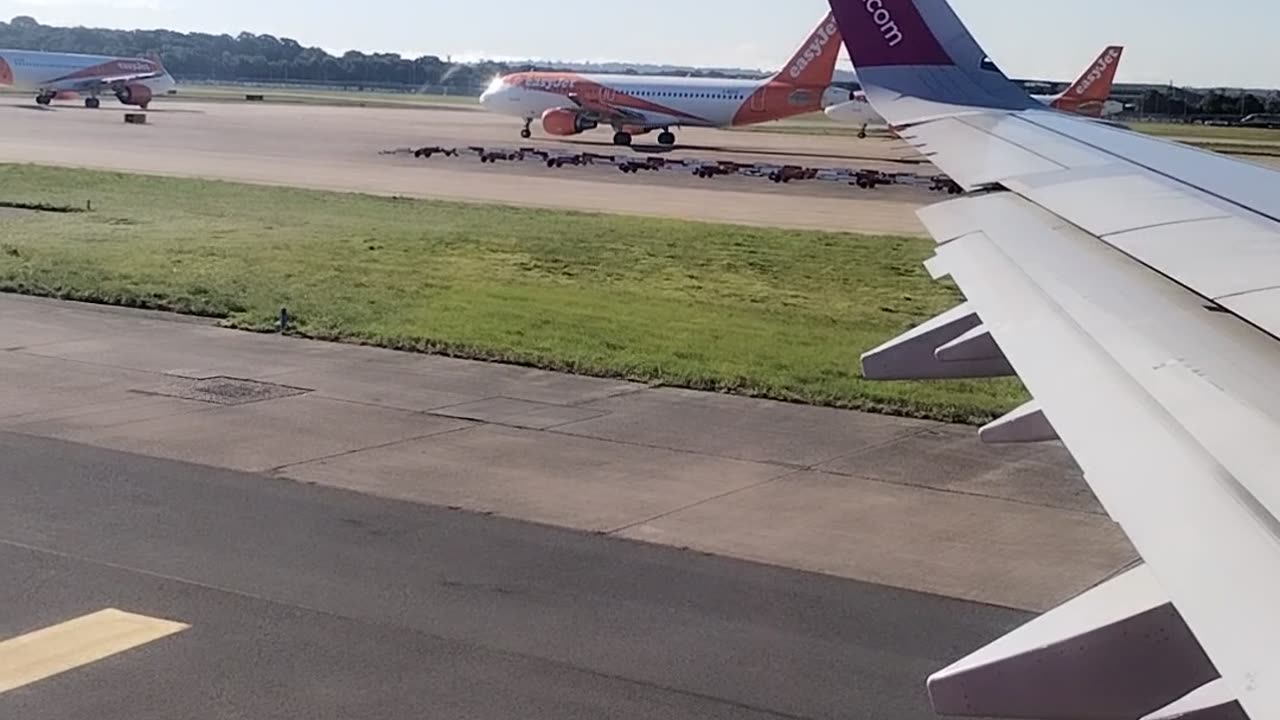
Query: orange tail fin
column 814, row 64
column 1096, row 82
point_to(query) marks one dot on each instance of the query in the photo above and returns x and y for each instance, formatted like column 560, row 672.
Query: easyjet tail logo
column 1098, row 72
column 816, row 48
column 883, row 19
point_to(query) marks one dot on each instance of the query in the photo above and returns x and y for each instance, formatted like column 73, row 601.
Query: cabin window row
column 715, row 96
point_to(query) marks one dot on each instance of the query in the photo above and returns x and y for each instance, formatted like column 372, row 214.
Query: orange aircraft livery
column 572, row 103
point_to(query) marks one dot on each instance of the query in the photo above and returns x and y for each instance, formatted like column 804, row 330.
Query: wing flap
column 1076, row 662
column 1244, row 256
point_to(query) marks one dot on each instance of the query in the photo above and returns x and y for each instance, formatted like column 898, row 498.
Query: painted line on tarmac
column 60, row 648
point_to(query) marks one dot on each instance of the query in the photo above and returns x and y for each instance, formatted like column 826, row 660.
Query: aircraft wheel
column 44, row 100
column 623, row 139
column 667, row 138
column 92, row 103
column 526, row 133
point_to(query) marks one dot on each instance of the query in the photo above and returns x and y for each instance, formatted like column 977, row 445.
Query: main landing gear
column 862, row 134
column 527, row 132
column 92, row 103
column 44, row 99
column 622, row 139
column 667, row 138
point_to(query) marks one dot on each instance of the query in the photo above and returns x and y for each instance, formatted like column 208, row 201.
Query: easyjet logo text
column 1098, row 71
column 549, row 84
column 131, row 66
column 883, row 19
column 816, row 48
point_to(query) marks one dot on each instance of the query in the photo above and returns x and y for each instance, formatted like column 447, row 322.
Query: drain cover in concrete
column 227, row 390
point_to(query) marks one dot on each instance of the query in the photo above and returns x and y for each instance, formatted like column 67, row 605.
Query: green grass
column 772, row 313
column 1211, row 133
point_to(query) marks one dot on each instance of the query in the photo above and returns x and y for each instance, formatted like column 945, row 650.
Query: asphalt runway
column 337, row 148
column 308, row 602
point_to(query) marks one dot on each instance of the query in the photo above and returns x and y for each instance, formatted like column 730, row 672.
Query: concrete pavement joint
column 961, row 493
column 648, row 446
column 275, row 471
column 703, row 501
column 883, row 444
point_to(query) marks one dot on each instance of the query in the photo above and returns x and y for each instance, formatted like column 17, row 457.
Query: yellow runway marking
column 66, row 646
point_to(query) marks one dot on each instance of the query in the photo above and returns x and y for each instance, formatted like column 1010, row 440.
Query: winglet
column 886, row 33
column 917, row 61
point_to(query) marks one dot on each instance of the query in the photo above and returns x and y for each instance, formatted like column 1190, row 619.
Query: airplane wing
column 604, row 112
column 1134, row 286
column 80, row 84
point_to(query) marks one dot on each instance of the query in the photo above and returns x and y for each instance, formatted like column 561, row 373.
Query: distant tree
column 249, row 57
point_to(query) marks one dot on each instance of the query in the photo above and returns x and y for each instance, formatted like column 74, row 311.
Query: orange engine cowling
column 136, row 94
column 558, row 121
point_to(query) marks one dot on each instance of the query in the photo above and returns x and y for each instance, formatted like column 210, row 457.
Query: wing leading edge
column 1134, row 286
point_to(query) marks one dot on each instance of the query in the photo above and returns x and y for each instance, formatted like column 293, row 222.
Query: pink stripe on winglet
column 880, row 33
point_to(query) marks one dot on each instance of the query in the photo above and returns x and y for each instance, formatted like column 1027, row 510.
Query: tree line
column 1179, row 102
column 248, row 57
column 201, row 57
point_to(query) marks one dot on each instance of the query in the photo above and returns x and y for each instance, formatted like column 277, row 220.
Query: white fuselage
column 673, row 101
column 41, row 72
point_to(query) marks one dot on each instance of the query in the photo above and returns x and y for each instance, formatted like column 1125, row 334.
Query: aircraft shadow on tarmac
column 662, row 149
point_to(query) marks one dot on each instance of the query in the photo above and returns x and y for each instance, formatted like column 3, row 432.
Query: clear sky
column 1190, row 42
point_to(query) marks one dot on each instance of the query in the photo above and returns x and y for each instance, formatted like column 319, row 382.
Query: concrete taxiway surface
column 338, row 149
column 268, row 599
column 902, row 503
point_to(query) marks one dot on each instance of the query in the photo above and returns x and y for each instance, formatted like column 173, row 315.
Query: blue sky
column 1190, row 42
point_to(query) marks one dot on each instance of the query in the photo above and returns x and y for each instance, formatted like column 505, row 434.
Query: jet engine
column 136, row 94
column 558, row 121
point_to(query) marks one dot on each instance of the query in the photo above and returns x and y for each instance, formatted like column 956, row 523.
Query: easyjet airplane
column 570, row 103
column 134, row 81
column 1087, row 96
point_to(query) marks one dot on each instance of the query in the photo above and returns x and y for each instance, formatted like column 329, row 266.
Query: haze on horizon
column 1181, row 41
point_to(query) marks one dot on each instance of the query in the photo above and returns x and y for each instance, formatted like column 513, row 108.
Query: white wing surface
column 1134, row 285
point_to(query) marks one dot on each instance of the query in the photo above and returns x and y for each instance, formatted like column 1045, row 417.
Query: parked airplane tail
column 814, row 64
column 1089, row 94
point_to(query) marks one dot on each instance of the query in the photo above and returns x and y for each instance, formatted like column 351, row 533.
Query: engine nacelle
column 136, row 94
column 562, row 122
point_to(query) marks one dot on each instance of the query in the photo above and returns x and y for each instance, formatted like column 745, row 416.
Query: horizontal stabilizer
column 1211, row 702
column 1027, row 424
column 914, row 355
column 1117, row 652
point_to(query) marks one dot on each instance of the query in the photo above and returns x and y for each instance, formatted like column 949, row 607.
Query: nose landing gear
column 527, row 133
column 862, row 134
column 622, row 139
